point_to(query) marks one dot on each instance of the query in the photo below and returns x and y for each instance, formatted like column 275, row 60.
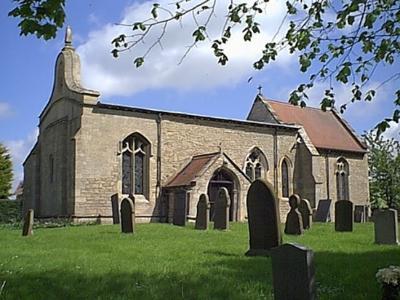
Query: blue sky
column 198, row 85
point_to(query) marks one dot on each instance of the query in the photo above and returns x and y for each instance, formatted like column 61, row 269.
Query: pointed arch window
column 285, row 179
column 342, row 179
column 256, row 164
column 135, row 169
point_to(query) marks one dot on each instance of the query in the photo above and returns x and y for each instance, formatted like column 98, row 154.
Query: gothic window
column 256, row 164
column 342, row 179
column 285, row 179
column 135, row 156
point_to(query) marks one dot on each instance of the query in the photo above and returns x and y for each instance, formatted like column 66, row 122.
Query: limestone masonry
column 88, row 151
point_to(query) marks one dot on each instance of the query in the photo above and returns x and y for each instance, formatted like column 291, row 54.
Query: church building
column 88, row 151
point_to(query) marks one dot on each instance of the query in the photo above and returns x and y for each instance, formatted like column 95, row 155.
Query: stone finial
column 68, row 36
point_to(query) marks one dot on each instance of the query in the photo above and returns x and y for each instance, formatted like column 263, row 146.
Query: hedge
column 10, row 211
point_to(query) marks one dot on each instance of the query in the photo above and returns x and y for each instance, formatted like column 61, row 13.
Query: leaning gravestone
column 203, row 213
column 294, row 222
column 293, row 273
column 360, row 213
column 128, row 214
column 344, row 215
column 221, row 213
column 263, row 218
column 306, row 213
column 386, row 226
column 115, row 208
column 323, row 213
column 28, row 223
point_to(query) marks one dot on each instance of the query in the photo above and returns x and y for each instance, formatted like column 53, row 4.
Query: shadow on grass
column 339, row 276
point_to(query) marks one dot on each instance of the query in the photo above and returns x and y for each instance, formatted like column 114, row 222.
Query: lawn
column 162, row 261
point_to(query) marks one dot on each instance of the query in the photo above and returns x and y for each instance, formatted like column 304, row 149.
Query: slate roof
column 188, row 174
column 326, row 129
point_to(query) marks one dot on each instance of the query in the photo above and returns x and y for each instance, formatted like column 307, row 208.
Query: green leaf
column 138, row 61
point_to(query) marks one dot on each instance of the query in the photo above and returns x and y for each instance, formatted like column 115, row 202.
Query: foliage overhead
column 336, row 41
column 384, row 164
column 6, row 174
column 39, row 17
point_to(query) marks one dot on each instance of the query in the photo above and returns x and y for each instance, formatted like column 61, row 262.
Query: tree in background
column 384, row 165
column 336, row 41
column 6, row 173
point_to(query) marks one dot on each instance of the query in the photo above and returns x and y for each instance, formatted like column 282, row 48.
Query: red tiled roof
column 187, row 175
column 325, row 129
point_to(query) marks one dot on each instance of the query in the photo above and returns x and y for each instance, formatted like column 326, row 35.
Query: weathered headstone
column 28, row 223
column 294, row 222
column 306, row 213
column 115, row 208
column 386, row 226
column 344, row 215
column 360, row 213
column 293, row 273
column 323, row 213
column 221, row 213
column 128, row 214
column 203, row 213
column 263, row 218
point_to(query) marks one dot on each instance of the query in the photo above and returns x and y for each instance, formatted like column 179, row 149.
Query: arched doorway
column 223, row 178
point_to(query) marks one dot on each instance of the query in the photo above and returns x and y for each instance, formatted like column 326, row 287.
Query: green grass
column 168, row 262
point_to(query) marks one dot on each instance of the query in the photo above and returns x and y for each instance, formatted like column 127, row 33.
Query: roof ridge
column 291, row 105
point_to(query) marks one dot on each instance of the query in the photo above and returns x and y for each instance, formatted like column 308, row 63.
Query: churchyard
column 162, row 261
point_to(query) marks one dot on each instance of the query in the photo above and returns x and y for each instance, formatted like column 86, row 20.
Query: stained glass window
column 127, row 172
column 139, row 172
column 256, row 164
column 135, row 165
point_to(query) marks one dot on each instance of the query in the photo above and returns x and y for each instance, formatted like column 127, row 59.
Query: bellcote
column 67, row 77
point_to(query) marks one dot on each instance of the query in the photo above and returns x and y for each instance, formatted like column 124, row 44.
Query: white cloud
column 393, row 131
column 19, row 150
column 5, row 110
column 199, row 70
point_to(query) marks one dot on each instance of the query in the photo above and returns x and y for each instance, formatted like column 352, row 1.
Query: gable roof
column 326, row 129
column 187, row 175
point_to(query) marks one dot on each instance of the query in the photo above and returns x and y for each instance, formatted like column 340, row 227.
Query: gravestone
column 386, row 226
column 263, row 218
column 203, row 213
column 28, row 223
column 115, row 208
column 294, row 222
column 128, row 214
column 344, row 215
column 360, row 213
column 323, row 213
column 221, row 213
column 293, row 273
column 306, row 213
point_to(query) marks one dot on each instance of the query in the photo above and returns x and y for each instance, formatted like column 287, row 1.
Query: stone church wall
column 98, row 162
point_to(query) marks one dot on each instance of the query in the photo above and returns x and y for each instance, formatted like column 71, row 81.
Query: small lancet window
column 256, row 164
column 285, row 179
column 135, row 157
column 342, row 179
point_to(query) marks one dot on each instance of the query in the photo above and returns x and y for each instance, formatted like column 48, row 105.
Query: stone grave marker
column 115, row 208
column 128, row 214
column 294, row 222
column 306, row 213
column 344, row 215
column 386, row 226
column 28, row 223
column 323, row 213
column 293, row 273
column 221, row 213
column 203, row 213
column 360, row 213
column 263, row 218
